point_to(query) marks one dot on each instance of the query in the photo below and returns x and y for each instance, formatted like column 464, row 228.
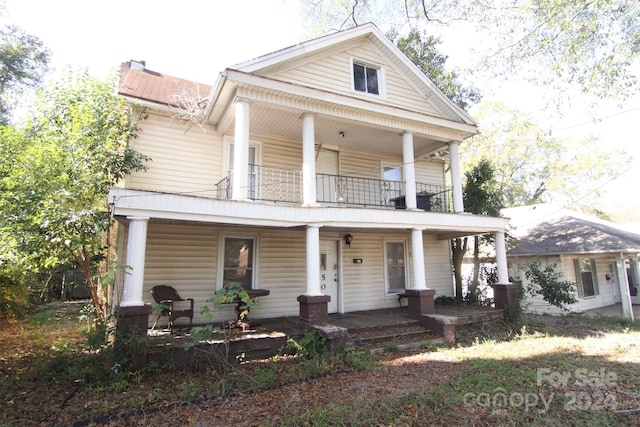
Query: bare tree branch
column 191, row 105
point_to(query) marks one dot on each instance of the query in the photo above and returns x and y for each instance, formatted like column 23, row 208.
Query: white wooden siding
column 368, row 165
column 282, row 269
column 363, row 284
column 438, row 274
column 333, row 73
column 181, row 161
column 182, row 256
column 430, row 173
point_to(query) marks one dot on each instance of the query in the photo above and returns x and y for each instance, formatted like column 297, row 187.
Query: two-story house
column 326, row 173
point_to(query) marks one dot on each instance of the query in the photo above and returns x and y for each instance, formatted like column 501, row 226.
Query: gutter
column 215, row 94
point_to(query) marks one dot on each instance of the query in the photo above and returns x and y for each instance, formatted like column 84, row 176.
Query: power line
column 597, row 120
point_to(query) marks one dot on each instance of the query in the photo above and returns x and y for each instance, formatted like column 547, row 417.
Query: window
column 239, row 261
column 395, row 267
column 586, row 277
column 366, row 79
column 392, row 173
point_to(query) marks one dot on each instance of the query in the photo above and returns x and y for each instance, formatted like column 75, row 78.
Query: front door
column 329, row 272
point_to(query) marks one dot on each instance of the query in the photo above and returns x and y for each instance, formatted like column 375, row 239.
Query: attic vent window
column 365, row 79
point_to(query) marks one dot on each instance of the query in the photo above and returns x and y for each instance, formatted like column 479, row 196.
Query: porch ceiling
column 328, row 131
column 276, row 108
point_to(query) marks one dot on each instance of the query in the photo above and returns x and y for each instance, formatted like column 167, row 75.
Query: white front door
column 329, row 272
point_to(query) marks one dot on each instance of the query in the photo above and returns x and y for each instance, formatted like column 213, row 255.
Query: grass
column 574, row 373
column 536, row 379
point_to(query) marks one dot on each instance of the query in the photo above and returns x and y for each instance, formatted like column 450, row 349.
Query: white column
column 240, row 187
column 308, row 161
column 409, row 170
column 623, row 283
column 456, row 177
column 313, row 260
column 417, row 247
column 136, row 249
column 501, row 258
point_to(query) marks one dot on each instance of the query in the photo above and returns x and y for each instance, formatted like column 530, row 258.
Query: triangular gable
column 322, row 61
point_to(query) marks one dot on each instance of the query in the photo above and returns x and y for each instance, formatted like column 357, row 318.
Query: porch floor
column 357, row 321
column 614, row 310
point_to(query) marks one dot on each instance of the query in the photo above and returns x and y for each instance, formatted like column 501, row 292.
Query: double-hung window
column 367, row 78
column 586, row 277
column 238, row 263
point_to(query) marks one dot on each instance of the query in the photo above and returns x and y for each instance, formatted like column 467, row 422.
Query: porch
column 614, row 310
column 267, row 337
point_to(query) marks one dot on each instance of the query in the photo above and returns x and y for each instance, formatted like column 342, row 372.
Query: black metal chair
column 172, row 305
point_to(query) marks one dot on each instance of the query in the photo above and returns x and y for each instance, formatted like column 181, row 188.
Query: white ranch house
column 326, row 173
column 598, row 256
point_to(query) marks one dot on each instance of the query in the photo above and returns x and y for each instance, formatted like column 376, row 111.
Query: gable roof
column 369, row 31
column 138, row 82
column 545, row 230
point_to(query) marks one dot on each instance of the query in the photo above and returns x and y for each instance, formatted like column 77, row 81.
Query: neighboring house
column 316, row 172
column 597, row 255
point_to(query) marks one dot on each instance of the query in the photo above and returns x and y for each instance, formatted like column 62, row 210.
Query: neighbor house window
column 586, row 277
column 239, row 261
column 395, row 266
column 366, row 78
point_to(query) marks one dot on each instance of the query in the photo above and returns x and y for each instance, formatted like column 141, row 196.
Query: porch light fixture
column 348, row 238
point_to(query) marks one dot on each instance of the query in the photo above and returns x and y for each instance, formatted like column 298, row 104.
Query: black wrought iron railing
column 285, row 185
column 348, row 190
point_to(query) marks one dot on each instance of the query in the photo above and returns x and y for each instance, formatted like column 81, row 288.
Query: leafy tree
column 548, row 283
column 591, row 45
column 23, row 63
column 422, row 51
column 482, row 196
column 531, row 165
column 53, row 183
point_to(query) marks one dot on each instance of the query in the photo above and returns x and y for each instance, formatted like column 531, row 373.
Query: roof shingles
column 156, row 87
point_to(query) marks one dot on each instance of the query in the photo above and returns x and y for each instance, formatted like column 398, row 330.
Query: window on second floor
column 367, row 78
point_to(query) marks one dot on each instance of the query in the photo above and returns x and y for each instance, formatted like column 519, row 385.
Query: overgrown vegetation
column 50, row 374
column 55, row 174
column 547, row 282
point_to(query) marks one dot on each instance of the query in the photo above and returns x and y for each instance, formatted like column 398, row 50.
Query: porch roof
column 177, row 207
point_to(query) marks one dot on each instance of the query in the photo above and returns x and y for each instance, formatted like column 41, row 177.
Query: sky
column 197, row 39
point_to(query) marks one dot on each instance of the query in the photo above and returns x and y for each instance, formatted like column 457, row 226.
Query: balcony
column 285, row 186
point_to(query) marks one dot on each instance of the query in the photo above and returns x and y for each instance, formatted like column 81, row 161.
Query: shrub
column 547, row 282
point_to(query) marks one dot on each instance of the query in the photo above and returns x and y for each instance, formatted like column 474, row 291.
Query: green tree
column 422, row 50
column 548, row 283
column 533, row 166
column 53, row 183
column 590, row 45
column 23, row 64
column 482, row 196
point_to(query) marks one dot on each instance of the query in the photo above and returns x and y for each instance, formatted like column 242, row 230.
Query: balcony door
column 254, row 161
column 327, row 186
